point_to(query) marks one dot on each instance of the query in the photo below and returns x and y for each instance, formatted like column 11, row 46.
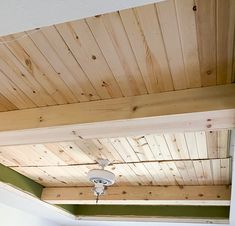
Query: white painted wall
column 18, row 206
column 22, row 15
column 10, row 216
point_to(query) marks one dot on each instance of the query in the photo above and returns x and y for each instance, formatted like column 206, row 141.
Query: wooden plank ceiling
column 171, row 45
column 193, row 158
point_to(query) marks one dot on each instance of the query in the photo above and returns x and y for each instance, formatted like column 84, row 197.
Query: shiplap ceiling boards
column 193, row 158
column 125, row 53
column 148, row 88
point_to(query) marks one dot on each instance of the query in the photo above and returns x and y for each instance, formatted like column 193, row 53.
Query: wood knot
column 124, row 192
column 194, row 8
column 93, row 57
column 97, row 16
column 134, row 108
column 40, row 119
column 208, row 126
column 27, row 62
column 209, row 72
column 104, row 84
column 200, row 195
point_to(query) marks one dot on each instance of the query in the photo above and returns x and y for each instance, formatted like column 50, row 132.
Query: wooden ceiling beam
column 208, row 108
column 142, row 195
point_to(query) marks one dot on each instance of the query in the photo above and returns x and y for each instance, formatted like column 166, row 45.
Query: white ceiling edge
column 23, row 15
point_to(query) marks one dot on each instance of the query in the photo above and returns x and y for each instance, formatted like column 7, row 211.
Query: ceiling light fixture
column 101, row 178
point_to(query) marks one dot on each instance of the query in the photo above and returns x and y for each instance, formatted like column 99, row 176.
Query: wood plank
column 223, row 143
column 157, row 173
column 201, row 145
column 6, row 105
column 161, row 143
column 212, row 108
column 225, row 22
column 114, row 44
column 212, row 147
column 16, row 72
column 148, row 46
column 191, row 173
column 199, row 172
column 57, row 63
column 82, row 44
column 141, row 148
column 231, row 43
column 168, row 22
column 216, row 172
column 184, row 173
column 146, row 195
column 207, row 172
column 44, row 80
column 225, row 171
column 154, row 146
column 188, row 36
column 14, row 94
column 177, row 145
column 70, row 62
column 206, row 35
column 35, row 57
column 124, row 148
column 192, row 145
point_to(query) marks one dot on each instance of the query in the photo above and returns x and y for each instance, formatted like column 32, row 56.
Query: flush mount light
column 101, row 178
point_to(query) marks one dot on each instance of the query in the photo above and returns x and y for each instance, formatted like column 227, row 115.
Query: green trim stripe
column 10, row 176
column 157, row 211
